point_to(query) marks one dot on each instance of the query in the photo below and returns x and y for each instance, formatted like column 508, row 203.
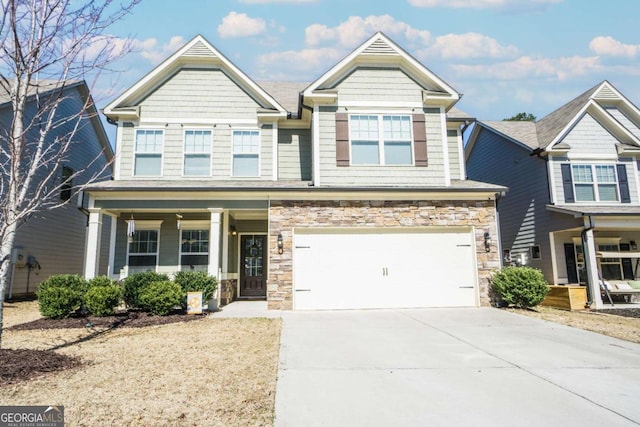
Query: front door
column 253, row 258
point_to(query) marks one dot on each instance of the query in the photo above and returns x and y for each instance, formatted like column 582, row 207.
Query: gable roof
column 199, row 52
column 379, row 49
column 47, row 87
column 551, row 129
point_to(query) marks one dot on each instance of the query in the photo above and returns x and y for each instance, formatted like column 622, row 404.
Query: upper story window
column 197, row 153
column 67, row 183
column 595, row 183
column 148, row 152
column 380, row 139
column 246, row 153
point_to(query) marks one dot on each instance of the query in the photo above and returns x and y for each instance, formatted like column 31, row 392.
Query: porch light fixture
column 178, row 218
column 487, row 242
column 233, row 231
column 280, row 244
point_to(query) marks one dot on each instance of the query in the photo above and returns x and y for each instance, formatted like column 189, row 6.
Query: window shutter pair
column 419, row 140
column 567, row 183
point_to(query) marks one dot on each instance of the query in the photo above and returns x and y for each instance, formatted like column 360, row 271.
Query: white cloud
column 609, row 46
column 155, row 54
column 468, row 45
column 481, row 4
column 528, row 67
column 305, row 59
column 356, row 29
column 240, row 25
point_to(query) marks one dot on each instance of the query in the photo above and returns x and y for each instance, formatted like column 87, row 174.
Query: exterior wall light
column 487, row 242
column 233, row 231
column 280, row 244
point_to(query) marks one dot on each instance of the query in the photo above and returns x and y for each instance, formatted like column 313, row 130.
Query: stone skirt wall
column 285, row 216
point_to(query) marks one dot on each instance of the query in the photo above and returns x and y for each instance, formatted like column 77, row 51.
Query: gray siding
column 524, row 219
column 56, row 238
column 330, row 174
column 588, row 136
column 294, row 154
column 380, row 84
column 624, row 120
column 199, row 93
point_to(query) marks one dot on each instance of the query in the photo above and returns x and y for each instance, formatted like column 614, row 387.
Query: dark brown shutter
column 342, row 139
column 419, row 140
column 567, row 183
column 625, row 197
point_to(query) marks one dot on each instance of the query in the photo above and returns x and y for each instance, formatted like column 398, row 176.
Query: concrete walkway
column 246, row 309
column 451, row 367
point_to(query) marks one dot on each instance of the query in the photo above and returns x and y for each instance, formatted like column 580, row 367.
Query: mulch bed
column 626, row 312
column 129, row 319
column 21, row 365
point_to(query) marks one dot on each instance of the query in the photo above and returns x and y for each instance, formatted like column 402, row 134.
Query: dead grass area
column 625, row 328
column 204, row 372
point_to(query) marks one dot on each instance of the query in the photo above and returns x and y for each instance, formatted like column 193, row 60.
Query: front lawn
column 203, row 372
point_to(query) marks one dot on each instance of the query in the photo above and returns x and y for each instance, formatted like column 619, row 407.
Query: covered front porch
column 604, row 251
column 228, row 241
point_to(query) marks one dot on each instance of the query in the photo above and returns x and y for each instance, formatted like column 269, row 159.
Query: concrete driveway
column 451, row 367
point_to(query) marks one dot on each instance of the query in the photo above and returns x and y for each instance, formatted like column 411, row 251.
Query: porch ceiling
column 590, row 210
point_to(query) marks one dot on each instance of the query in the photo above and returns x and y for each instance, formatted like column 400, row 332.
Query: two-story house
column 573, row 204
column 52, row 241
column 347, row 192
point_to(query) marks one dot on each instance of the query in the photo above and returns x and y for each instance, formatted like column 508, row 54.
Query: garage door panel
column 378, row 270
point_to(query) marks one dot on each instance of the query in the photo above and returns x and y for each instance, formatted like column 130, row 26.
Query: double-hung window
column 595, row 183
column 380, row 139
column 194, row 250
column 143, row 251
column 148, row 152
column 246, row 153
column 197, row 153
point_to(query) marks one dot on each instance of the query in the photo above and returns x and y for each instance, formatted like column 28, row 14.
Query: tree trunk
column 5, row 267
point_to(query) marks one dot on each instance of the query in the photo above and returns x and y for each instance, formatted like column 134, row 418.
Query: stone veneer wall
column 284, row 216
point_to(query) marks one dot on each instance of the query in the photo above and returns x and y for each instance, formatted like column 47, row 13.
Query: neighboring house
column 348, row 192
column 573, row 187
column 53, row 241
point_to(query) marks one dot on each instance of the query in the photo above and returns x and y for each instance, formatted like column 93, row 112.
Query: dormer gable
column 381, row 52
column 197, row 53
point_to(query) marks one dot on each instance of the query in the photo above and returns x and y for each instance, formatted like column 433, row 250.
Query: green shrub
column 71, row 281
column 135, row 284
column 522, row 287
column 195, row 281
column 58, row 302
column 101, row 281
column 160, row 297
column 102, row 300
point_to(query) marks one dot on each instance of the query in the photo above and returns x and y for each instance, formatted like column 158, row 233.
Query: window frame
column 381, row 141
column 258, row 153
column 159, row 153
column 145, row 226
column 595, row 183
column 66, row 186
column 185, row 153
column 194, row 226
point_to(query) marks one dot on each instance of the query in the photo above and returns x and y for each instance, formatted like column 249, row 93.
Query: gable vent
column 379, row 47
column 199, row 49
column 606, row 93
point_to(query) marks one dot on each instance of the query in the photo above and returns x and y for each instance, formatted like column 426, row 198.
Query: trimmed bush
column 522, row 287
column 135, row 284
column 71, row 281
column 58, row 302
column 102, row 300
column 160, row 297
column 195, row 281
column 102, row 281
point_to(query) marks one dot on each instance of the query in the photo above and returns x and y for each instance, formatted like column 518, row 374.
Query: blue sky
column 505, row 56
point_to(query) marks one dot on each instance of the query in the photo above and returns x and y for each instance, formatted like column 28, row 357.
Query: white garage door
column 346, row 269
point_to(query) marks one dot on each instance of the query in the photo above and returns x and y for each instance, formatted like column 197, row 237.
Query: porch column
column 214, row 242
column 591, row 264
column 92, row 245
column 112, row 246
column 225, row 241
